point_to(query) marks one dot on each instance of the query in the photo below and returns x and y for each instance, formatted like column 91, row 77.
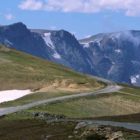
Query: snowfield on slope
column 49, row 42
column 9, row 95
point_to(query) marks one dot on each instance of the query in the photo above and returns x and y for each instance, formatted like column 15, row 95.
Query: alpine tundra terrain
column 64, row 104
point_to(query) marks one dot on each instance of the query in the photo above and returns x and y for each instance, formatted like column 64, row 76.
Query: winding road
column 112, row 87
column 9, row 110
column 127, row 125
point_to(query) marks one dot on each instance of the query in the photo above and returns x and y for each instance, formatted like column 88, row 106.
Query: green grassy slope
column 22, row 71
column 115, row 104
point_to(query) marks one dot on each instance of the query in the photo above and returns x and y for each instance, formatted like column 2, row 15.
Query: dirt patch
column 2, row 60
column 4, row 49
column 66, row 85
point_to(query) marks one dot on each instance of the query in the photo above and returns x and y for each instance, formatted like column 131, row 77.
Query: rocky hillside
column 115, row 56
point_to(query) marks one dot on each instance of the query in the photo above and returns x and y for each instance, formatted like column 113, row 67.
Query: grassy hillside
column 24, row 125
column 22, row 71
column 113, row 104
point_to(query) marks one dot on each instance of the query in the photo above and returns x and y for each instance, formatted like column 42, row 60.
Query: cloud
column 129, row 7
column 9, row 16
column 32, row 5
column 87, row 36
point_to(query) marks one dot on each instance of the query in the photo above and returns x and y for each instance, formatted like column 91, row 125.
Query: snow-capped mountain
column 57, row 46
column 19, row 37
column 65, row 49
column 115, row 56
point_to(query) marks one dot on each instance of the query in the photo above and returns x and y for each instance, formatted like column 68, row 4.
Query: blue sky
column 80, row 17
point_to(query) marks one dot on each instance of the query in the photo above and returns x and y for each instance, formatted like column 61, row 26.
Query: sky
column 80, row 17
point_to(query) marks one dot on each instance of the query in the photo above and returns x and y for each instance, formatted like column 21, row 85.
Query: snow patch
column 47, row 39
column 49, row 42
column 86, row 45
column 8, row 42
column 118, row 51
column 56, row 55
column 135, row 79
column 135, row 62
column 97, row 41
column 10, row 95
column 111, row 69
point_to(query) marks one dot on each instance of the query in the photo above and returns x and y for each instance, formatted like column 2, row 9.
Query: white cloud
column 130, row 7
column 87, row 36
column 9, row 16
column 32, row 5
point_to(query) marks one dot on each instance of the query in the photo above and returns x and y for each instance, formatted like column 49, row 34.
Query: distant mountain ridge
column 57, row 46
column 114, row 56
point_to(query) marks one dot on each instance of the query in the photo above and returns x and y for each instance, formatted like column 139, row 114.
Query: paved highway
column 108, row 89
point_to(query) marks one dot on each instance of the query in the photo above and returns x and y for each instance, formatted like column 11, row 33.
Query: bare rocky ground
column 84, row 131
column 45, row 126
column 91, row 132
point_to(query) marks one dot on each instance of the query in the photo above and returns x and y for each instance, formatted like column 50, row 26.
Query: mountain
column 19, row 37
column 66, row 50
column 57, row 46
column 114, row 56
